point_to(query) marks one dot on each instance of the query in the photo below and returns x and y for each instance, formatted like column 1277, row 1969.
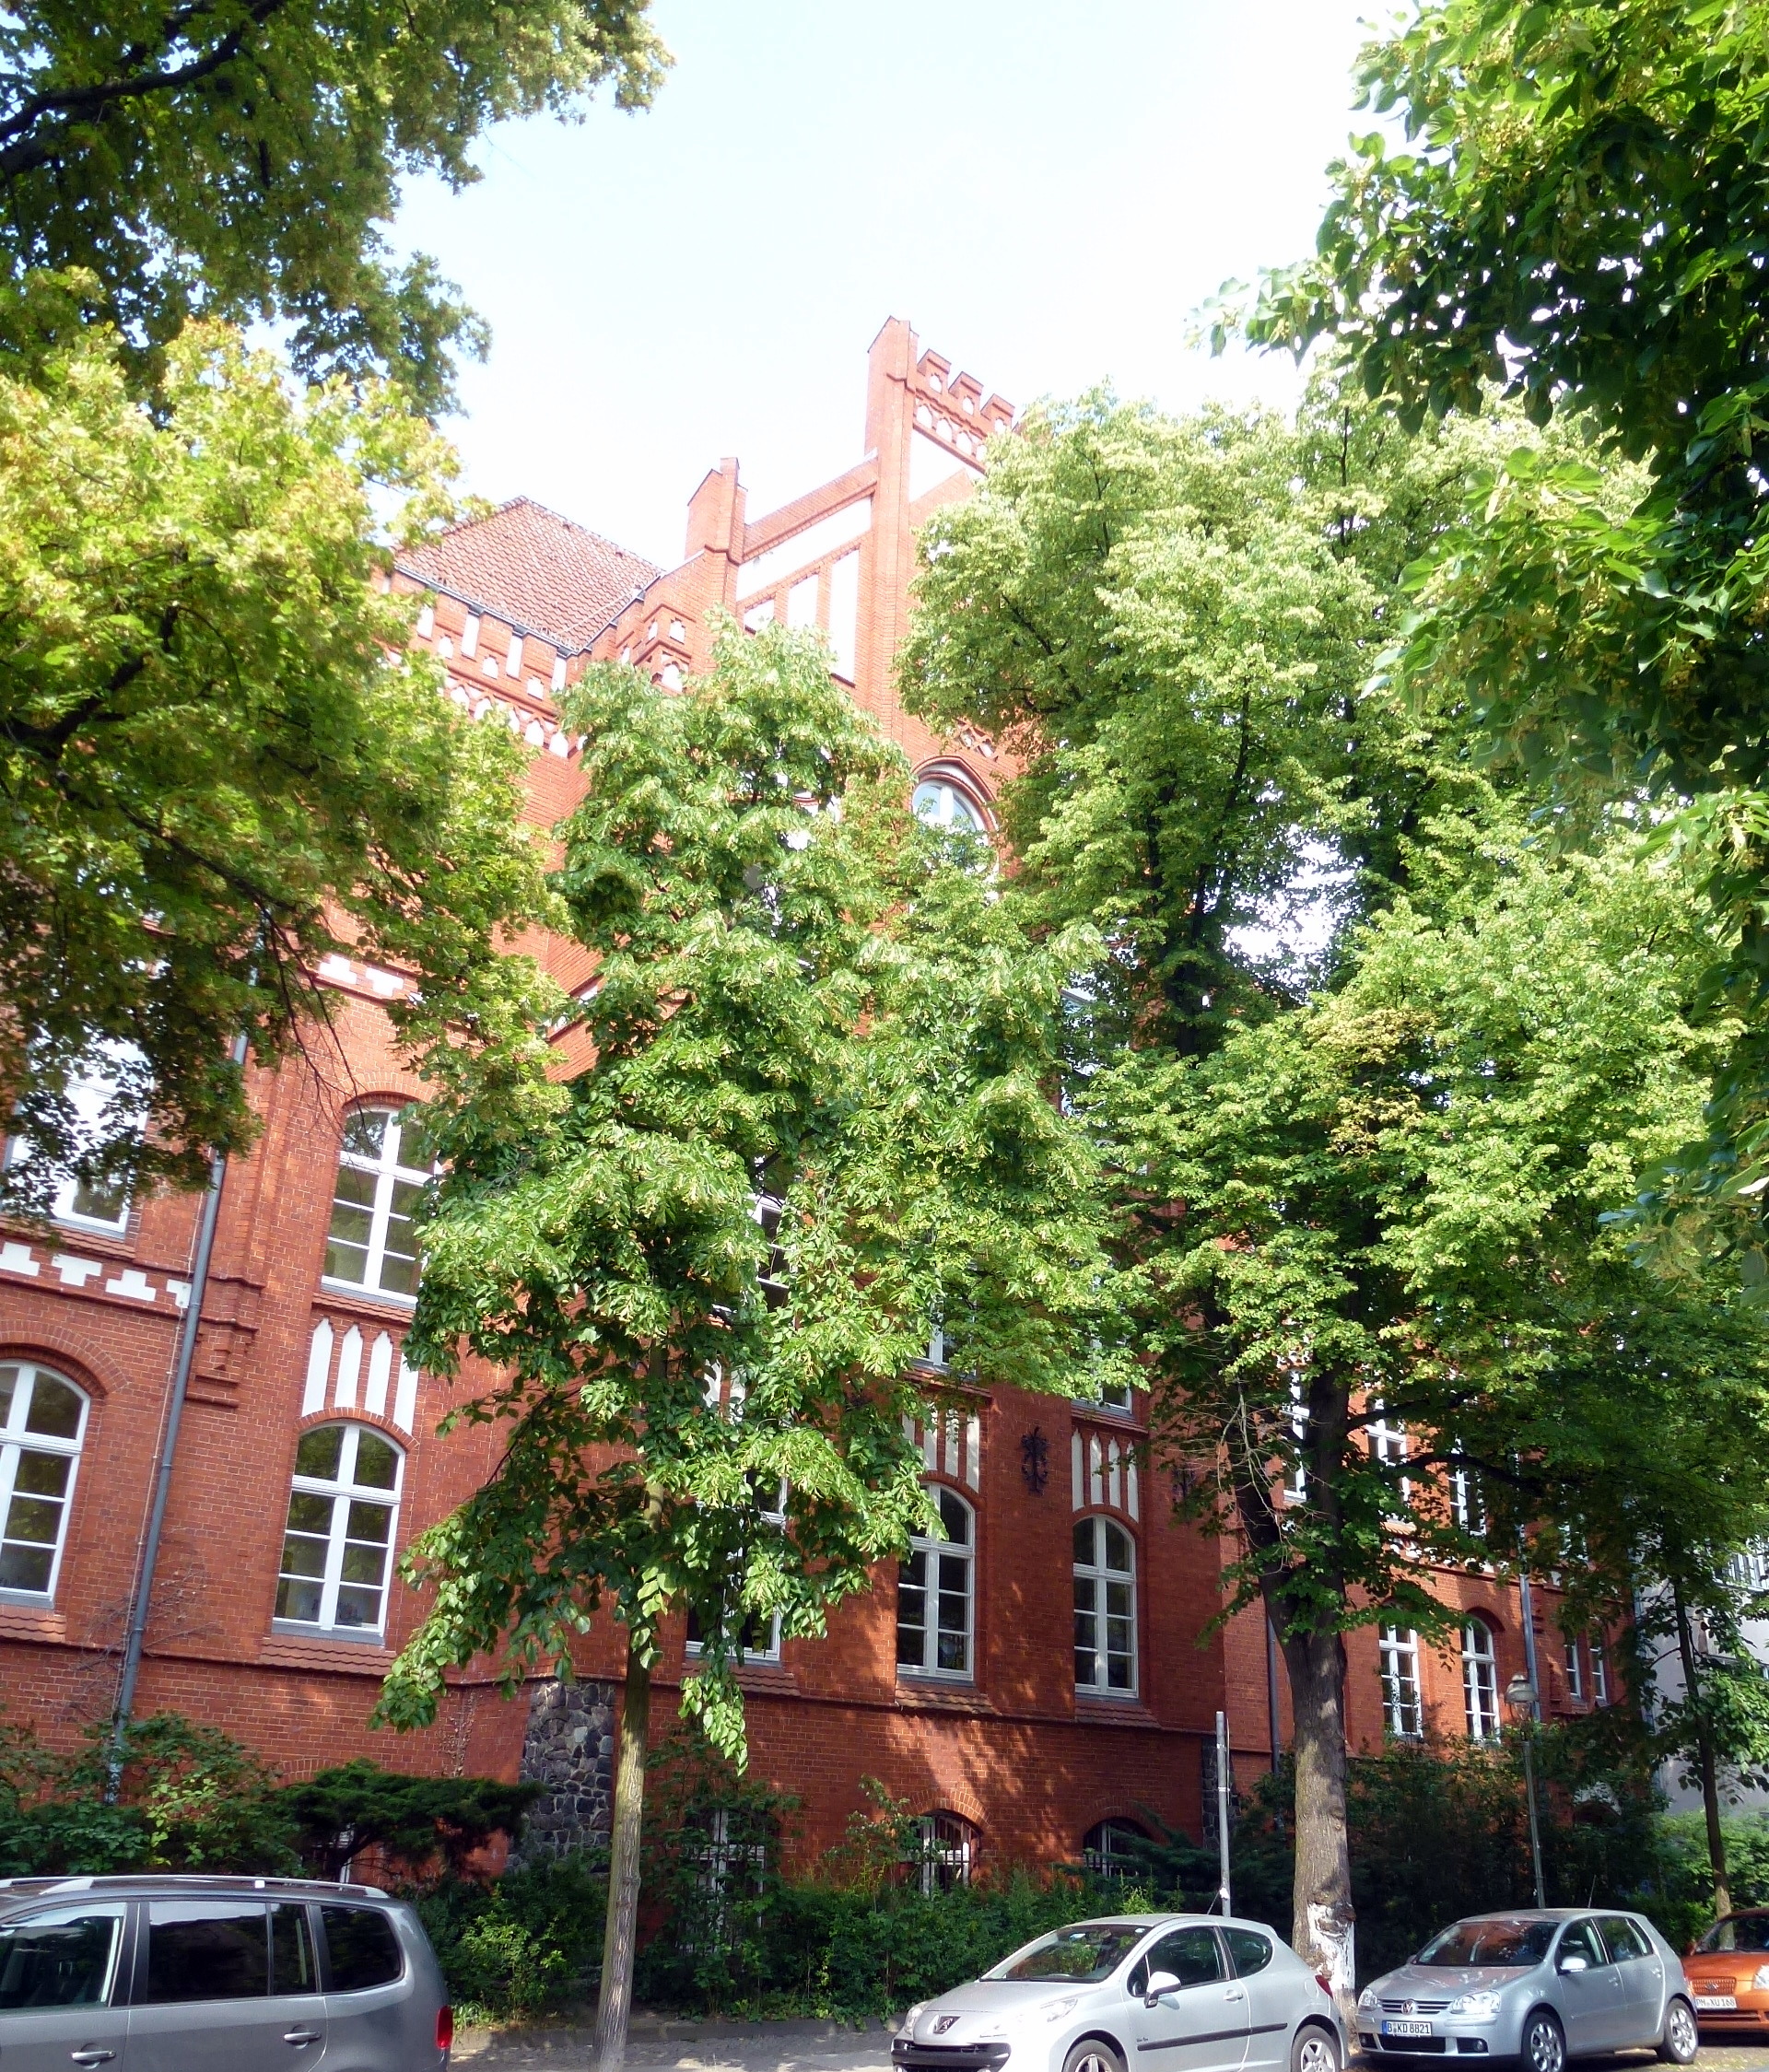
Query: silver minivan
column 216, row 1974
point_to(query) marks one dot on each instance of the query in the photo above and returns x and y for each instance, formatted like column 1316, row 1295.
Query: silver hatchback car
column 1162, row 1992
column 1541, row 1987
column 216, row 1974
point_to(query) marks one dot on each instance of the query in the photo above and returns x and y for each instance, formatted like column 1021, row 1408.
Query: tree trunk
column 615, row 2002
column 1323, row 1931
column 1705, row 1762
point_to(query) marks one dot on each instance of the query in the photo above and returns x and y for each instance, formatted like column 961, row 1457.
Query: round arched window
column 939, row 803
column 1115, row 1849
column 42, row 1422
column 338, row 1545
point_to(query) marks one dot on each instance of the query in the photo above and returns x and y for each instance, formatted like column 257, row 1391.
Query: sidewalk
column 664, row 2045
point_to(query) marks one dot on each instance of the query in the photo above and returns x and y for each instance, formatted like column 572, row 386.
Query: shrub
column 531, row 1941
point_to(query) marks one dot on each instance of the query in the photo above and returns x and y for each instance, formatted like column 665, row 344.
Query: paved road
column 817, row 2047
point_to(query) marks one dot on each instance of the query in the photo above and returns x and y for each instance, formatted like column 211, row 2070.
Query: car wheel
column 1544, row 2043
column 1314, row 2050
column 1092, row 2055
column 1682, row 2039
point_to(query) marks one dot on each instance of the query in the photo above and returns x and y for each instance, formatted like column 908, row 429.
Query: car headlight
column 914, row 2015
column 1475, row 2007
column 1760, row 1983
column 1058, row 2008
column 1366, row 2001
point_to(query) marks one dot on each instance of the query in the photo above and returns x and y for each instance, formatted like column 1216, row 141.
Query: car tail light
column 445, row 2029
column 1325, row 1984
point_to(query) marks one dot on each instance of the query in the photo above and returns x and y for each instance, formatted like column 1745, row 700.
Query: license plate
column 1716, row 2003
column 1406, row 2029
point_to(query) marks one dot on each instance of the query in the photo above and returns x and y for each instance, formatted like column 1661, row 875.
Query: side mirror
column 1574, row 1965
column 1159, row 1983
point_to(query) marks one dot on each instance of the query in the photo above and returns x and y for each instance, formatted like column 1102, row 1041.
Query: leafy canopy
column 235, row 158
column 819, row 1117
column 218, row 762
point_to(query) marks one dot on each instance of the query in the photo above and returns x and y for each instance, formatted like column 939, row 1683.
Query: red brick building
column 1077, row 1687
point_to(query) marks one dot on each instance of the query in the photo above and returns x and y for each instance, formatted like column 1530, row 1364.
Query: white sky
column 1046, row 191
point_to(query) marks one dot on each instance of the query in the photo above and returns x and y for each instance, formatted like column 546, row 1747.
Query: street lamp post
column 1521, row 1701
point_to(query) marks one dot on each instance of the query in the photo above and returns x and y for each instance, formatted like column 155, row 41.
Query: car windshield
column 1749, row 1932
column 1084, row 1954
column 1511, row 1946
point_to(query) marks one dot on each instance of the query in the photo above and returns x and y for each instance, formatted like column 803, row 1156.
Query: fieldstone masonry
column 569, row 1748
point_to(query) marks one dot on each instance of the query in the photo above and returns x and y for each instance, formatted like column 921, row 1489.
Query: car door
column 1271, row 1995
column 1589, row 1990
column 368, row 1987
column 1642, row 1972
column 61, row 2003
column 203, row 1999
column 1199, row 2025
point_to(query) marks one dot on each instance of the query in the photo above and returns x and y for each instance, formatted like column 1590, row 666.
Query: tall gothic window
column 1480, row 1681
column 42, row 1422
column 935, row 1596
column 383, row 1166
column 1398, row 1661
column 339, row 1547
column 1105, row 1609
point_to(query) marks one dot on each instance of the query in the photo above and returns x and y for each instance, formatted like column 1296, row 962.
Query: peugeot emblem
column 944, row 2022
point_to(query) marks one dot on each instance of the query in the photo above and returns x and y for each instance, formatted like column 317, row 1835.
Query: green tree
column 219, row 762
column 820, row 1117
column 1577, row 218
column 237, row 158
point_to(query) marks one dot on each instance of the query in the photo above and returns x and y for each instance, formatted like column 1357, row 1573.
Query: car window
column 67, row 1959
column 1502, row 1944
column 362, row 1946
column 1627, row 1945
column 1748, row 1932
column 1248, row 1951
column 1087, row 1952
column 292, row 1969
column 1192, row 1955
column 206, row 1949
column 1580, row 1940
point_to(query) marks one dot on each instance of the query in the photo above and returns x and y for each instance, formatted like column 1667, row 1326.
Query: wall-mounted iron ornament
column 1034, row 1459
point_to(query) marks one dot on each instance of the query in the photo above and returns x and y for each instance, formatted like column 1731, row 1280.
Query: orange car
column 1729, row 1973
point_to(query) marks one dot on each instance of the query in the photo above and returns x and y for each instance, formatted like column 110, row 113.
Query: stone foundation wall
column 569, row 1748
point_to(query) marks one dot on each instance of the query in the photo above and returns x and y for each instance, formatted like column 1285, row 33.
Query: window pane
column 955, row 1517
column 347, row 1261
column 415, row 1151
column 1118, row 1549
column 309, row 1513
column 363, row 1949
column 1084, row 1543
column 206, row 1949
column 292, row 1969
column 377, row 1462
column 1251, row 1952
column 1190, row 1954
column 55, row 1412
column 98, row 1201
column 58, row 1962
column 26, row 1568
column 43, row 1474
column 299, row 1601
column 303, row 1555
column 358, row 1607
column 365, row 1132
column 319, row 1452
column 10, row 1379
column 370, row 1522
column 364, row 1565
column 912, row 1612
column 34, row 1519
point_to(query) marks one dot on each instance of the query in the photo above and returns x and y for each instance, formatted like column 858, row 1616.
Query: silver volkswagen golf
column 1162, row 1992
column 1538, row 1986
column 216, row 1974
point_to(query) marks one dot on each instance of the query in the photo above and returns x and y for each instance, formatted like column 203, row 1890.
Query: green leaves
column 819, row 1118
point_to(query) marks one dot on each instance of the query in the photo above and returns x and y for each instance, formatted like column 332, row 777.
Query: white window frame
column 1468, row 1503
column 1390, row 1446
column 388, row 1173
column 1600, row 1673
column 938, row 812
column 92, row 1094
column 16, row 1443
column 1094, row 1578
column 935, row 1554
column 1480, row 1681
column 954, row 1851
column 1296, row 1484
column 343, row 1493
column 1097, row 1855
column 1403, row 1711
column 1575, row 1670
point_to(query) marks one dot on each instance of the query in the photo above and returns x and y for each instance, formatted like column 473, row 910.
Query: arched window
column 1115, row 1849
column 1105, row 1609
column 343, row 1509
column 1480, row 1681
column 947, row 1852
column 384, row 1164
column 934, row 1595
column 42, row 1422
column 947, row 808
column 1398, row 1661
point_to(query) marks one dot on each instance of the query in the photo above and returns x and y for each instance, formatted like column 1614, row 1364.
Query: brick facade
column 515, row 606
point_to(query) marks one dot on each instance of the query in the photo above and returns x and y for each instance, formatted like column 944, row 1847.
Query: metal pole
column 141, row 1596
column 1526, row 1607
column 1222, row 1810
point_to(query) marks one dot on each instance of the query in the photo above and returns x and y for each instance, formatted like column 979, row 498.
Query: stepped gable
column 541, row 572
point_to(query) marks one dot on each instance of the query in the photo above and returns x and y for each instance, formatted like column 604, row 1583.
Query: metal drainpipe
column 142, row 1595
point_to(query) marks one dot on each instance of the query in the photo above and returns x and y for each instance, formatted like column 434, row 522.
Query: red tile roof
column 528, row 565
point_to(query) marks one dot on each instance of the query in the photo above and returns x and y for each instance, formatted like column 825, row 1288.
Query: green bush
column 530, row 1941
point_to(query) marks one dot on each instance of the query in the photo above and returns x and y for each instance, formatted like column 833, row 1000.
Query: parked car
column 1162, row 1992
column 216, row 1974
column 1729, row 1973
column 1541, row 1987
